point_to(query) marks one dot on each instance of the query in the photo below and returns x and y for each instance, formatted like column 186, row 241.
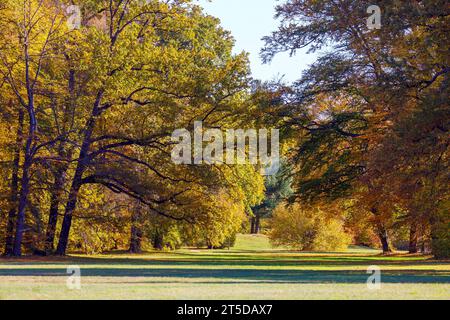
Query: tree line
column 87, row 115
column 368, row 121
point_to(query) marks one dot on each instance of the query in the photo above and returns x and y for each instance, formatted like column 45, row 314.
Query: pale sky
column 249, row 21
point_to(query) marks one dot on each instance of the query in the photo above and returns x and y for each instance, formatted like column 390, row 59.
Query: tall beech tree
column 170, row 64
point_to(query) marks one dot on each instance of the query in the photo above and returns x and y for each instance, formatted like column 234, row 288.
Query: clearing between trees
column 250, row 270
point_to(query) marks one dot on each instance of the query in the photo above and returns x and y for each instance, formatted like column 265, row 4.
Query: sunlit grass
column 251, row 270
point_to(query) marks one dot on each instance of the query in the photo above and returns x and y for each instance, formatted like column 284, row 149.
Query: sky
column 249, row 21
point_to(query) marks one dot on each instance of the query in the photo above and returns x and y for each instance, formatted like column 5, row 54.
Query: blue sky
column 249, row 21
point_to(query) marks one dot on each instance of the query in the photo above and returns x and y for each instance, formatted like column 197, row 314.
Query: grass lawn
column 251, row 270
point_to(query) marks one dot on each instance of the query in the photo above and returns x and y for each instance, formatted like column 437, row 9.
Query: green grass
column 253, row 243
column 251, row 270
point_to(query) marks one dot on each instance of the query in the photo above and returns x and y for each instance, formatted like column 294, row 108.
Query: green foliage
column 162, row 233
column 277, row 189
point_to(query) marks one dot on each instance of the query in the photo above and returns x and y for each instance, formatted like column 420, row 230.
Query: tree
column 106, row 104
column 345, row 106
column 278, row 189
column 174, row 74
column 30, row 28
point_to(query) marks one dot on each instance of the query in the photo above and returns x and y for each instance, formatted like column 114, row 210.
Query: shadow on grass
column 228, row 259
column 241, row 276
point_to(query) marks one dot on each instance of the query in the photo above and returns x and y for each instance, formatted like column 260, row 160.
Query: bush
column 307, row 230
column 163, row 233
column 441, row 240
column 230, row 241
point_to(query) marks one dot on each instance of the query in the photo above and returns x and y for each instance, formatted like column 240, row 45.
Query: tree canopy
column 92, row 91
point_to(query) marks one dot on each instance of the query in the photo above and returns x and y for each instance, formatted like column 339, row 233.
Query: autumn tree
column 365, row 83
column 102, row 110
column 157, row 72
column 30, row 30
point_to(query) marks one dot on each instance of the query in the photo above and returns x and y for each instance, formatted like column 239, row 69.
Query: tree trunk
column 9, row 241
column 33, row 239
column 136, row 232
column 28, row 154
column 253, row 225
column 136, row 240
column 60, row 175
column 77, row 182
column 257, row 224
column 25, row 185
column 423, row 243
column 68, row 214
column 158, row 241
column 384, row 238
column 23, row 199
column 413, row 239
column 55, row 200
column 381, row 232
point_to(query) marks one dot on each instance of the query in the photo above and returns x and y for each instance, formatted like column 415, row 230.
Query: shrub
column 230, row 241
column 307, row 230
